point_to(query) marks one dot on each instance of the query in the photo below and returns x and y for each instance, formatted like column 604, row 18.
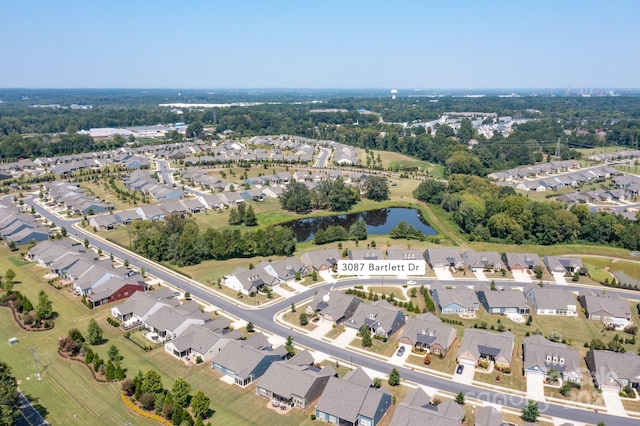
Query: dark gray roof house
column 563, row 264
column 296, row 381
column 502, row 301
column 382, row 318
column 416, row 409
column 482, row 260
column 333, row 306
column 542, row 355
column 443, row 258
column 321, row 260
column 349, row 401
column 522, row 261
column 245, row 363
column 614, row 369
column 479, row 344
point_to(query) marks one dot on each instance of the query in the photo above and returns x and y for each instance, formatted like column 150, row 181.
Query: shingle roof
column 473, row 340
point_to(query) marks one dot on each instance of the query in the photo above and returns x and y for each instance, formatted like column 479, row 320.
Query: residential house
column 246, row 360
column 614, row 370
column 200, row 341
column 125, row 217
column 522, row 261
column 366, row 254
column 608, row 308
column 542, row 355
column 151, row 212
column 333, row 306
column 444, row 258
column 141, row 306
column 502, row 301
column 114, row 289
column 352, row 401
column 284, row 270
column 456, row 300
column 321, row 260
column 489, row 416
column 482, row 260
column 105, row 222
column 247, row 281
column 169, row 322
column 426, row 332
column 405, row 254
column 382, row 318
column 563, row 264
column 479, row 345
column 418, row 409
column 547, row 301
column 295, row 382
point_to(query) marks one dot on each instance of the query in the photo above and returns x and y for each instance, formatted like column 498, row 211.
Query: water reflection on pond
column 380, row 221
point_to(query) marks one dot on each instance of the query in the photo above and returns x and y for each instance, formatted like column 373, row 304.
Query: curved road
column 263, row 318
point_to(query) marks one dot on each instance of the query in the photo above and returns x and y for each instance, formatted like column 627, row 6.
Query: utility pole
column 33, row 350
column 557, row 154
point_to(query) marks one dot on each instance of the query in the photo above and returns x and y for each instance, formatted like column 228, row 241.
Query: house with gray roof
column 489, row 416
column 479, row 345
column 455, row 300
column 244, row 361
column 366, row 254
column 247, row 281
column 141, row 306
column 333, row 306
column 482, row 260
column 151, row 212
column 294, row 382
column 114, row 289
column 321, row 260
column 169, row 322
column 426, row 332
column 405, row 254
column 502, row 301
column 284, row 270
column 614, row 370
column 200, row 341
column 417, row 409
column 444, row 258
column 548, row 301
column 352, row 401
column 125, row 217
column 106, row 222
column 382, row 318
column 542, row 355
column 608, row 308
column 521, row 261
column 563, row 264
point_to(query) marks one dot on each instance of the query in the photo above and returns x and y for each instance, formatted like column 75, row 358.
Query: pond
column 378, row 222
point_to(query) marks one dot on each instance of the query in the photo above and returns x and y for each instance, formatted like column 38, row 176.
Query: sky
column 403, row 44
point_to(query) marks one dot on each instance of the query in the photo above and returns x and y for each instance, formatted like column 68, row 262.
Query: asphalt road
column 263, row 318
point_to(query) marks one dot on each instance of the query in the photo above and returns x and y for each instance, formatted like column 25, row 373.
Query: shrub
column 313, row 416
column 113, row 323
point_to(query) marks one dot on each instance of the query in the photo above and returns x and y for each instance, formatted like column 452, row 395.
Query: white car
column 411, row 282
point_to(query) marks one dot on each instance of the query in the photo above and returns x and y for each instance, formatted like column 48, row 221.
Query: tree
column 9, row 404
column 151, row 383
column 194, row 129
column 249, row 218
column 181, row 391
column 530, row 412
column 86, row 243
column 110, row 371
column 296, row 197
column 358, row 231
column 234, row 217
column 94, row 333
column 250, row 327
column 293, row 307
column 460, row 398
column 289, row 347
column 377, row 383
column 114, row 353
column 44, row 308
column 365, row 335
column 13, row 246
column 303, row 319
column 430, row 191
column 200, row 404
column 9, row 276
column 376, row 188
column 394, row 377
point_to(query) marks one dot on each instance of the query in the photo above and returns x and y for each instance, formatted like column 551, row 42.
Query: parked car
column 400, row 351
column 460, row 369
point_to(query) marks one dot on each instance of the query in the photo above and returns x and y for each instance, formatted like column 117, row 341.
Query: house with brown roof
column 479, row 345
column 426, row 332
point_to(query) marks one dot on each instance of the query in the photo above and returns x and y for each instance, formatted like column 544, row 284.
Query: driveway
column 323, row 327
column 612, row 401
column 326, row 276
column 479, row 273
column 400, row 360
column 281, row 291
column 535, row 387
column 345, row 338
column 521, row 276
column 467, row 375
column 559, row 278
column 443, row 274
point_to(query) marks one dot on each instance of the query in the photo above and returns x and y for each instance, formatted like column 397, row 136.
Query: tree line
column 487, row 212
column 178, row 240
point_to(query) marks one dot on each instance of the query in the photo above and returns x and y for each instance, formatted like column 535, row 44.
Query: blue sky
column 320, row 44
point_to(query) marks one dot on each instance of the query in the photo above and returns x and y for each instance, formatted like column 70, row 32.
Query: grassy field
column 88, row 402
column 632, row 269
